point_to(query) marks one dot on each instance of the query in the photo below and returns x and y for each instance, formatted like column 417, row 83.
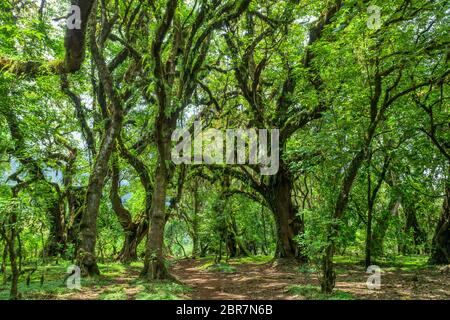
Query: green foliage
column 309, row 292
column 114, row 293
column 270, row 68
column 222, row 267
column 162, row 291
column 252, row 259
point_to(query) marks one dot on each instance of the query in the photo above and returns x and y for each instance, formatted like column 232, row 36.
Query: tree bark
column 195, row 225
column 88, row 228
column 137, row 231
column 74, row 43
column 10, row 238
column 14, row 293
column 134, row 232
column 328, row 273
column 232, row 246
column 440, row 253
column 4, row 257
column 289, row 225
column 376, row 116
column 368, row 258
column 371, row 197
column 412, row 224
column 56, row 244
column 264, row 246
column 154, row 266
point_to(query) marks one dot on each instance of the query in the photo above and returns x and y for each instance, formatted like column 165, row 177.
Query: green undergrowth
column 161, row 290
column 118, row 281
column 310, row 292
column 209, row 264
column 219, row 267
column 404, row 263
column 252, row 260
column 114, row 292
column 48, row 282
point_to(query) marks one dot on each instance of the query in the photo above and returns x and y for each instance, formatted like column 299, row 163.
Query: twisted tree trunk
column 440, row 253
column 154, row 266
column 88, row 228
column 56, row 244
column 289, row 224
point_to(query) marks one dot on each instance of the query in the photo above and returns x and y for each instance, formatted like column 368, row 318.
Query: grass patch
column 228, row 267
column 206, row 265
column 347, row 259
column 111, row 269
column 113, row 293
column 54, row 285
column 403, row 263
column 222, row 267
column 49, row 289
column 218, row 267
column 310, row 292
column 161, row 290
column 53, row 282
column 406, row 263
column 136, row 264
column 307, row 269
column 252, row 259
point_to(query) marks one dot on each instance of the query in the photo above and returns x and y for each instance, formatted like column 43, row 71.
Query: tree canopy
column 357, row 90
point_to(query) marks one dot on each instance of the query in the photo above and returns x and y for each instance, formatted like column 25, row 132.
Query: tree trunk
column 88, row 227
column 56, row 244
column 328, row 273
column 14, row 293
column 440, row 253
column 154, row 266
column 195, row 246
column 382, row 225
column 134, row 232
column 195, row 226
column 368, row 259
column 232, row 247
column 133, row 238
column 75, row 201
column 204, row 250
column 219, row 256
column 412, row 224
column 128, row 253
column 264, row 246
column 289, row 225
column 371, row 198
column 5, row 255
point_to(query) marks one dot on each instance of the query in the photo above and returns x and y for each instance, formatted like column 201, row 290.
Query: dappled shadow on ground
column 266, row 281
column 249, row 281
column 239, row 280
column 427, row 283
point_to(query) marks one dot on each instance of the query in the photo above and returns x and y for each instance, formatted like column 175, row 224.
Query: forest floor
column 245, row 278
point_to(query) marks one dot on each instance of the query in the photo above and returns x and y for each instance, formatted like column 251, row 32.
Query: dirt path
column 264, row 281
column 250, row 281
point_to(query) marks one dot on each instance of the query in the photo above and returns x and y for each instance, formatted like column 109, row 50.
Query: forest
column 224, row 149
